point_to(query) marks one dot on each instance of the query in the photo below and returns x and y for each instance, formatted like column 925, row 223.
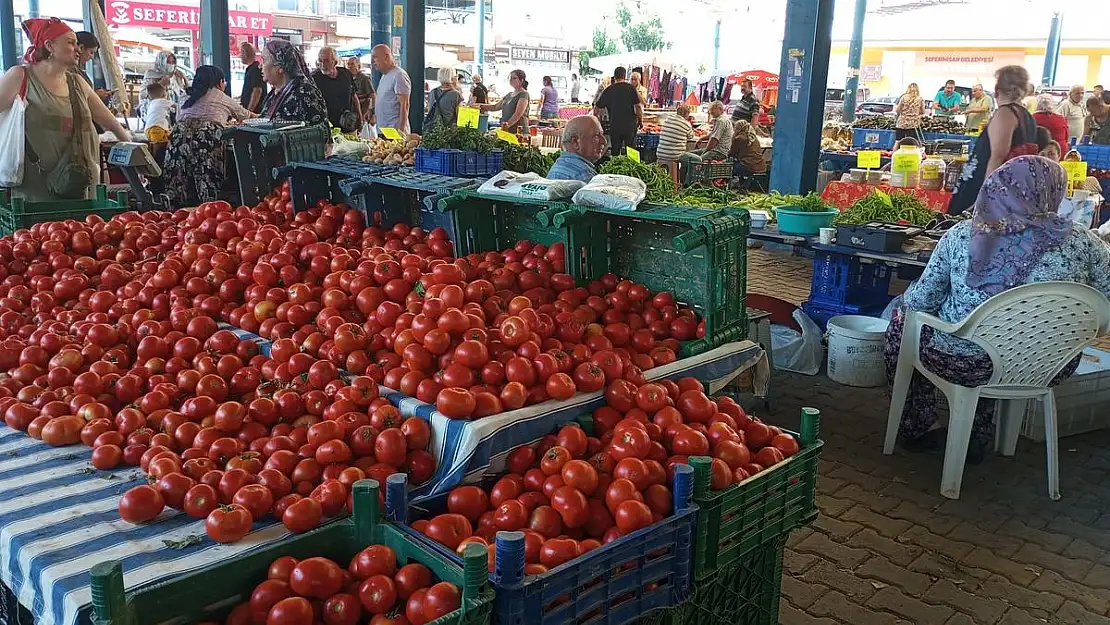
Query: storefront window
column 299, row 6
column 353, row 8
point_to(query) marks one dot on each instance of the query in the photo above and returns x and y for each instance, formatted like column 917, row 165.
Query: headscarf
column 40, row 30
column 162, row 66
column 207, row 77
column 1045, row 103
column 161, row 69
column 288, row 57
column 1016, row 222
column 743, row 127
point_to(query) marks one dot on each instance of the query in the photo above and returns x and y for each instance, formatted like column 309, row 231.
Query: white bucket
column 856, row 350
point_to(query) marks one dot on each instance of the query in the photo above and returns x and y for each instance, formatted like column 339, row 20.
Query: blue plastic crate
column 459, row 163
column 938, row 136
column 821, row 312
column 615, row 584
column 872, row 139
column 840, row 279
column 645, row 140
column 1097, row 156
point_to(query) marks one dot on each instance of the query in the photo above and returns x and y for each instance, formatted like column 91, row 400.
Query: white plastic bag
column 369, row 131
column 342, row 146
column 12, row 132
column 800, row 353
column 612, row 191
column 512, row 184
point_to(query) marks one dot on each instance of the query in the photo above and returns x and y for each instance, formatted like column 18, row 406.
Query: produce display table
column 894, row 259
column 844, row 194
column 844, row 161
column 58, row 515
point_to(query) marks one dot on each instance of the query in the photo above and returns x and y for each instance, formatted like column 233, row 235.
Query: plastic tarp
column 109, row 63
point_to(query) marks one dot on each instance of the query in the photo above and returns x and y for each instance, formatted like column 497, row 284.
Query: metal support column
column 803, row 76
column 717, row 45
column 480, row 51
column 855, row 59
column 215, row 43
column 380, row 19
column 413, row 45
column 8, row 36
column 32, row 8
column 1052, row 50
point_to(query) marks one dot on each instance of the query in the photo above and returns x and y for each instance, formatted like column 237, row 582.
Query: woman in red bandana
column 62, row 160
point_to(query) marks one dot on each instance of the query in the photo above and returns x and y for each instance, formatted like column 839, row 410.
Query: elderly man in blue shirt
column 583, row 145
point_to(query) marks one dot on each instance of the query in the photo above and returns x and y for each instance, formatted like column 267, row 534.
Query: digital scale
column 135, row 161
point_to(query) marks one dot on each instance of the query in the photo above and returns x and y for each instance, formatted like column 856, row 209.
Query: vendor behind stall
column 583, row 145
column 746, row 153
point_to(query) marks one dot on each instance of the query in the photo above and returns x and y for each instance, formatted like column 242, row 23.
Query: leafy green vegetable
column 660, row 187
column 459, row 138
column 525, row 158
column 812, row 203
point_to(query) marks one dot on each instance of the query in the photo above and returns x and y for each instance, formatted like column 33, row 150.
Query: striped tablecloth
column 59, row 517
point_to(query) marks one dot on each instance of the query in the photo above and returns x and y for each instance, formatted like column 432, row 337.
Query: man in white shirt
column 1073, row 109
column 575, row 88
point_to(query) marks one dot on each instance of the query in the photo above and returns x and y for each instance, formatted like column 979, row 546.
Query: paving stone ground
column 888, row 549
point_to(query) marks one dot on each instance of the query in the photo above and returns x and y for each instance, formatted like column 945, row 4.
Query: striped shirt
column 214, row 106
column 676, row 133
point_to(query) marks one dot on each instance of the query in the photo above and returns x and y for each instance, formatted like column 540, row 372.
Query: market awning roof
column 433, row 56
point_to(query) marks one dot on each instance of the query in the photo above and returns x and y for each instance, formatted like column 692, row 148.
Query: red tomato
column 581, row 475
column 469, row 501
column 411, row 577
column 141, row 504
column 257, row 499
column 441, row 599
column 291, row 611
column 342, row 609
column 282, row 568
column 560, row 386
column 632, row 515
column 377, row 594
column 520, row 459
column 554, row 459
column 574, row 439
column 200, row 501
column 316, row 578
column 768, row 456
column 720, row 475
column 557, row 551
column 785, row 443
column 455, row 403
column 630, row 443
column 571, row 505
column 268, row 593
column 228, row 524
column 373, row 560
column 449, row 529
column 620, row 490
column 510, row 516
column 734, row 454
column 302, row 515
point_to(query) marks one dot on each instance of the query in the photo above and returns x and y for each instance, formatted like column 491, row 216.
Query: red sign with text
column 156, row 15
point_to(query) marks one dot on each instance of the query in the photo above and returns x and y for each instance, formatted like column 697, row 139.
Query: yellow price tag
column 507, row 137
column 468, row 117
column 391, row 134
column 868, row 159
column 1077, row 173
column 903, row 162
column 633, row 154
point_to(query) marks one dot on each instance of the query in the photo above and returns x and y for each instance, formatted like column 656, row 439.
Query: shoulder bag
column 71, row 177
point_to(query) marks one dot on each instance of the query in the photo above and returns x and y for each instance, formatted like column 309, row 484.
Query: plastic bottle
column 905, row 167
column 932, row 173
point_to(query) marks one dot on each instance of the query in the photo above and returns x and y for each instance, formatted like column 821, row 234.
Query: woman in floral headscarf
column 295, row 96
column 165, row 71
column 1015, row 237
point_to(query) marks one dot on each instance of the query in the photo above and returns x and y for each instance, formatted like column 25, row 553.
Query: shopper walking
column 641, row 90
column 337, row 85
column 625, row 110
column 946, row 102
column 391, row 105
column 444, row 100
column 909, row 110
column 1015, row 237
column 747, row 108
column 1055, row 123
column 478, row 92
column 194, row 170
column 62, row 157
column 575, row 88
column 364, row 87
column 514, row 107
column 1010, row 132
column 295, row 96
column 1097, row 124
column 1073, row 109
column 254, row 86
column 549, row 100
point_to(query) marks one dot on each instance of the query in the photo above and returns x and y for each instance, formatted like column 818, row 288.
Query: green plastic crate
column 698, row 254
column 763, row 508
column 487, row 223
column 746, row 593
column 215, row 590
column 257, row 151
column 15, row 213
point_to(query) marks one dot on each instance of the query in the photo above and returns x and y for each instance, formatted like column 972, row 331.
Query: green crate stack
column 734, row 521
column 15, row 213
column 258, row 151
column 745, row 593
column 215, row 590
column 486, row 223
column 698, row 254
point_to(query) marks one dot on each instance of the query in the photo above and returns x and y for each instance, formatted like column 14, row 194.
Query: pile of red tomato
column 572, row 493
column 372, row 588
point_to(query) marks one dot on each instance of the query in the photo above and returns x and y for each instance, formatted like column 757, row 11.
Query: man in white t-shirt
column 391, row 108
column 1073, row 109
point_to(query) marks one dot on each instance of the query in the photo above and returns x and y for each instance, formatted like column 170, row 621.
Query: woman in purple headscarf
column 1015, row 237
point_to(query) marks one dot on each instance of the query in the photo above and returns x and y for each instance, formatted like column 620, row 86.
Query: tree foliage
column 641, row 32
column 603, row 45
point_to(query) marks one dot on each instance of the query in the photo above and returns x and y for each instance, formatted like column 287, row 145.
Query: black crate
column 876, row 236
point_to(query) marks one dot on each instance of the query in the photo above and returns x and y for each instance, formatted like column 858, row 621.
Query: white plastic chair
column 1030, row 333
